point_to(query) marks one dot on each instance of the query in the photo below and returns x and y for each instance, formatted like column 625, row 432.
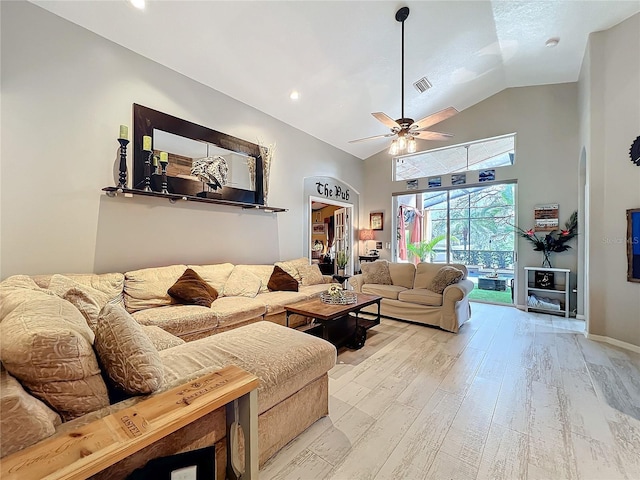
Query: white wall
column 545, row 119
column 610, row 121
column 65, row 91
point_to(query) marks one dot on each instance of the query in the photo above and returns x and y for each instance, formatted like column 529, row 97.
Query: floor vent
column 422, row 85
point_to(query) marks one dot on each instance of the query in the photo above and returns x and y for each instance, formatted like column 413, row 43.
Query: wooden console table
column 90, row 449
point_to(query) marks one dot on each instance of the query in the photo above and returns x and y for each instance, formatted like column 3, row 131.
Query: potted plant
column 342, row 258
column 423, row 250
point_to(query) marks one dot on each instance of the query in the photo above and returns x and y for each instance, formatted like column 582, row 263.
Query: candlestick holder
column 148, row 156
column 163, row 165
column 122, row 178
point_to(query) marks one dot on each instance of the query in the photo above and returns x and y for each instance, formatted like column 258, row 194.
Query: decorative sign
column 488, row 175
column 333, row 191
column 544, row 280
column 458, row 179
column 412, row 184
column 435, row 182
column 546, row 217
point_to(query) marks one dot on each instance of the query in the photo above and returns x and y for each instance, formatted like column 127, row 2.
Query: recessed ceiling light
column 294, row 95
column 139, row 4
column 552, row 42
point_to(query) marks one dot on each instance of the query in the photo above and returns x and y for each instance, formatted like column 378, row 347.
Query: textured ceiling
column 344, row 57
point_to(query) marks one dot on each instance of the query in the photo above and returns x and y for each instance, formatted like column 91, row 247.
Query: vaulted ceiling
column 344, row 57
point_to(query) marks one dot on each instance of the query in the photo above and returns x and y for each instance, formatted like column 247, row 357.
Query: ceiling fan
column 406, row 129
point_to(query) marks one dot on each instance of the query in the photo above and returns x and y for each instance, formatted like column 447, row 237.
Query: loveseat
column 407, row 292
column 58, row 334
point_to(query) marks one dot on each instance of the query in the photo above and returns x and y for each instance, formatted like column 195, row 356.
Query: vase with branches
column 554, row 241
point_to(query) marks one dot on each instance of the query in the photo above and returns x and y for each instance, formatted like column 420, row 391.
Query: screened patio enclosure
column 472, row 226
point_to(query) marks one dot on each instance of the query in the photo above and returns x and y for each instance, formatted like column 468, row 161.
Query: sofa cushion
column 274, row 302
column 385, row 291
column 214, row 275
column 161, row 340
column 46, row 344
column 126, row 353
column 376, row 272
column 402, row 274
column 16, row 290
column 24, row 420
column 185, row 320
column 291, row 267
column 426, row 272
column 88, row 300
column 421, row 296
column 263, row 272
column 284, row 359
column 147, row 288
column 446, row 276
column 192, row 289
column 281, row 281
column 310, row 275
column 242, row 283
column 111, row 284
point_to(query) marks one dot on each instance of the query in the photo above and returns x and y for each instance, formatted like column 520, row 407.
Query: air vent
column 422, row 85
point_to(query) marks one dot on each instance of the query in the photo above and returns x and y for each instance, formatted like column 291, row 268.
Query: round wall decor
column 634, row 151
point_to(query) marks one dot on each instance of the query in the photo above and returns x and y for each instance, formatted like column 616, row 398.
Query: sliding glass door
column 472, row 226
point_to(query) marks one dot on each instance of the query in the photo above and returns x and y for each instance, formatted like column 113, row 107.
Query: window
column 488, row 153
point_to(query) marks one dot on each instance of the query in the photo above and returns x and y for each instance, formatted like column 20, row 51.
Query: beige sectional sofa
column 407, row 296
column 47, row 348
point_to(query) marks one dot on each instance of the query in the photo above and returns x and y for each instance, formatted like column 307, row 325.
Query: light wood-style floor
column 514, row 395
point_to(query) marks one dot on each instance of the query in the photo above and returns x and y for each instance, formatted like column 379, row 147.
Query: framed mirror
column 191, row 145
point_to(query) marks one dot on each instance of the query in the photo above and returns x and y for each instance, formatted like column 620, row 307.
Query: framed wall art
column 633, row 245
column 376, row 220
column 319, row 228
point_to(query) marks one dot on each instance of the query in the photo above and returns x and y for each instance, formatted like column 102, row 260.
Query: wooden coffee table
column 326, row 314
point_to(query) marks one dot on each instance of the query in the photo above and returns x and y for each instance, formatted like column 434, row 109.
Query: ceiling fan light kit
column 406, row 129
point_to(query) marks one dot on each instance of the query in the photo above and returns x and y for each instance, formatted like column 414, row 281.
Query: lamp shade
column 367, row 234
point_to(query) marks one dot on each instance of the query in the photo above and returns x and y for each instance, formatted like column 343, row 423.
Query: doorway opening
column 331, row 234
column 472, row 226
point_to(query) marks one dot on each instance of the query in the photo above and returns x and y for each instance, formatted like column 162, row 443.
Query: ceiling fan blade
column 432, row 135
column 386, row 120
column 434, row 118
column 371, row 138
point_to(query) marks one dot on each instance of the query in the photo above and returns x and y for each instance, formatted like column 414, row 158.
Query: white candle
column 124, row 132
column 146, row 143
column 164, row 157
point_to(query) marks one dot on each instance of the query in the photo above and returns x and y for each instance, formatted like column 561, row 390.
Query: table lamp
column 368, row 235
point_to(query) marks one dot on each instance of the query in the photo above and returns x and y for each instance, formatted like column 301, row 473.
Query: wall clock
column 634, row 151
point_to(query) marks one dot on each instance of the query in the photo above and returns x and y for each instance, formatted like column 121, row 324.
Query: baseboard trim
column 580, row 317
column 613, row 341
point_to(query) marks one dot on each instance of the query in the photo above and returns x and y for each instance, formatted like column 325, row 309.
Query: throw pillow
column 129, row 358
column 281, row 281
column 291, row 266
column 24, row 420
column 87, row 300
column 47, row 345
column 446, row 276
column 310, row 275
column 376, row 272
column 242, row 283
column 191, row 289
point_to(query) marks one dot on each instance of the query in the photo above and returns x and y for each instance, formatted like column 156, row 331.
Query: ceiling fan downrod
column 401, row 16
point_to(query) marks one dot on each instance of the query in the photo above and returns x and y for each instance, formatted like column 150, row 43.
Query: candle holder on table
column 122, row 177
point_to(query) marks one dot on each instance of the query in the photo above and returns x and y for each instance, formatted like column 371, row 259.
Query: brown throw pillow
column 193, row 290
column 446, row 276
column 281, row 281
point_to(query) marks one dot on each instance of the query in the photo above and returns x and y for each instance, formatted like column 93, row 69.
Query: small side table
column 342, row 279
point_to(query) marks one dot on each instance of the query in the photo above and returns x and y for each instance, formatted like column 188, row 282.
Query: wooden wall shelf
column 174, row 197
